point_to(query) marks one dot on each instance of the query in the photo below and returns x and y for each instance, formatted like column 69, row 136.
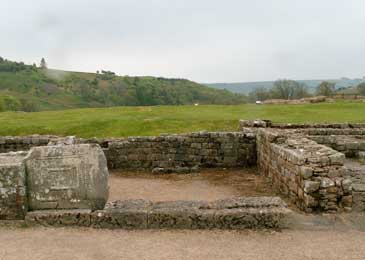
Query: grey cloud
column 206, row 41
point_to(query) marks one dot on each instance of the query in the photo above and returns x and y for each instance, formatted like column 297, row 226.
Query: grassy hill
column 153, row 120
column 29, row 88
column 247, row 87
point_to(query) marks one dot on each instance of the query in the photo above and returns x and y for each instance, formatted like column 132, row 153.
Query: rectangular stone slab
column 13, row 199
column 67, row 177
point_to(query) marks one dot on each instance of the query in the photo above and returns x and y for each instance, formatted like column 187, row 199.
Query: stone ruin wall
column 318, row 166
column 308, row 173
column 59, row 185
column 179, row 152
column 163, row 153
column 22, row 143
column 306, row 162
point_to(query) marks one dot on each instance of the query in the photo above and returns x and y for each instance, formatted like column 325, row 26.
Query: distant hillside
column 29, row 88
column 247, row 87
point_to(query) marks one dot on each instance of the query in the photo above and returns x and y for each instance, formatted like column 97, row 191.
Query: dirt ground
column 77, row 244
column 209, row 184
column 326, row 237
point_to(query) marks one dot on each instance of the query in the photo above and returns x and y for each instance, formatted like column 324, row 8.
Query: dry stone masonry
column 62, row 181
column 309, row 173
column 165, row 153
column 319, row 166
column 183, row 152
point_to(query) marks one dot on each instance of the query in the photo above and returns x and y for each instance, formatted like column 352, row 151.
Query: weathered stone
column 59, row 218
column 67, row 177
column 69, row 140
column 240, row 213
column 306, row 172
column 129, row 214
column 311, row 186
column 13, row 198
column 358, row 187
column 337, row 159
column 346, row 201
column 347, row 185
column 327, row 182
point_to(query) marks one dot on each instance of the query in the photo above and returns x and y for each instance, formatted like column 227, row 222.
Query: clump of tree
column 289, row 89
column 361, row 88
column 326, row 89
column 43, row 64
column 12, row 66
column 106, row 75
column 282, row 89
column 11, row 103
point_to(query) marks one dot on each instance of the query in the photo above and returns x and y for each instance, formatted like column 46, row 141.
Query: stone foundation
column 165, row 153
column 308, row 173
column 319, row 167
column 203, row 149
column 239, row 213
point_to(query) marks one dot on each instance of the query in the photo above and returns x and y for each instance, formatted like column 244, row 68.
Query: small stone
column 346, row 201
column 337, row 159
column 195, row 169
column 309, row 201
column 158, row 170
column 347, row 185
column 327, row 182
column 358, row 187
column 311, row 186
column 306, row 172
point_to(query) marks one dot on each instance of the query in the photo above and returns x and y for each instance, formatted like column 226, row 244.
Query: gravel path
column 77, row 244
column 208, row 185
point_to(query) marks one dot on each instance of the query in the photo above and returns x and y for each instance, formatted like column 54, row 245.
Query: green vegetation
column 131, row 121
column 33, row 88
column 282, row 89
column 326, row 89
column 247, row 87
column 290, row 89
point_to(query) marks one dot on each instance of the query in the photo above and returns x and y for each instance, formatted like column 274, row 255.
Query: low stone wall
column 22, row 143
column 244, row 124
column 309, row 173
column 205, row 149
column 238, row 213
column 350, row 145
column 164, row 153
column 356, row 173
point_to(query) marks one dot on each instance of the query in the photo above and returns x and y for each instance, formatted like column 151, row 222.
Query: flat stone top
column 12, row 158
column 233, row 203
column 67, row 177
column 63, row 150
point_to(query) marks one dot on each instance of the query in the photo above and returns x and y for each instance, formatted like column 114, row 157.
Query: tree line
column 291, row 89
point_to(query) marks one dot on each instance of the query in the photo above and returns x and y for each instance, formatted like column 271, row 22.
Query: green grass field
column 143, row 121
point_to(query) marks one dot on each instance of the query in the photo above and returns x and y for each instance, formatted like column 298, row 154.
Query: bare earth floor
column 209, row 184
column 77, row 244
column 326, row 237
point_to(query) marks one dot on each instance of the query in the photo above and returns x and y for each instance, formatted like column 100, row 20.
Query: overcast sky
column 203, row 40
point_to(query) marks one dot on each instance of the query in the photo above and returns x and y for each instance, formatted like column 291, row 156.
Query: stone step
column 237, row 213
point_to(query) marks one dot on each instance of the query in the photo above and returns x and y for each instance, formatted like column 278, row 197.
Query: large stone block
column 67, row 177
column 13, row 197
